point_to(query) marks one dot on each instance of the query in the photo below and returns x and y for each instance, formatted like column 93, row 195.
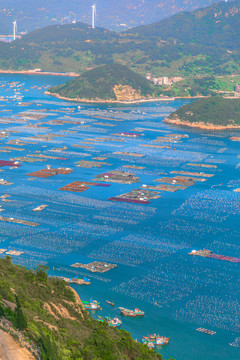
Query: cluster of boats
column 115, row 322
column 155, row 340
column 151, row 341
column 95, row 305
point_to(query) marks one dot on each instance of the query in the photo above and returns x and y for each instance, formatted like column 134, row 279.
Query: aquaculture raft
column 210, row 254
column 9, row 163
column 134, row 201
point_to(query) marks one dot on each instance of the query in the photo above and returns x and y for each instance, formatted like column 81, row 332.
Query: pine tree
column 20, row 320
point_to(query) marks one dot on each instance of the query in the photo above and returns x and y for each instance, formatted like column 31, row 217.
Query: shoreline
column 108, row 101
column 200, row 125
column 34, row 72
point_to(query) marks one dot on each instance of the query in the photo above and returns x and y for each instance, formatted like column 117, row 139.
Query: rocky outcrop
column 62, row 311
column 126, row 93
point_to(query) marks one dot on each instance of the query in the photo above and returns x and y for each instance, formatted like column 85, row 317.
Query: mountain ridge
column 32, row 14
column 186, row 44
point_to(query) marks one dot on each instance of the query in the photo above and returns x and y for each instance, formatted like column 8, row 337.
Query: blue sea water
column 149, row 243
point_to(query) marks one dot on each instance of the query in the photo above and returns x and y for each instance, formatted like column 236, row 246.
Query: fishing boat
column 115, row 322
column 100, row 318
column 91, row 305
column 131, row 313
column 161, row 340
column 151, row 345
column 110, row 302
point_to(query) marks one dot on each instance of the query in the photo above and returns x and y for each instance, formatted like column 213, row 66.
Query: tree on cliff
column 20, row 320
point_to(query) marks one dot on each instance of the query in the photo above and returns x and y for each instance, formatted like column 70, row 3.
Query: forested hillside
column 45, row 315
column 213, row 111
column 107, row 82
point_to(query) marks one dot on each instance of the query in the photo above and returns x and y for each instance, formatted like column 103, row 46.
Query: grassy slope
column 79, row 339
column 213, row 110
column 99, row 83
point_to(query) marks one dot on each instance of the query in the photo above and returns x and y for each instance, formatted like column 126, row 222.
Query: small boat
column 110, row 302
column 151, row 345
column 131, row 313
column 91, row 305
column 100, row 318
column 161, row 340
column 115, row 322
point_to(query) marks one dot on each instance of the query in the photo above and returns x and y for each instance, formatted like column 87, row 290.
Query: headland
column 211, row 113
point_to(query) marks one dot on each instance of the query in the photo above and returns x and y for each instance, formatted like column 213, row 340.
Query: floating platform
column 90, row 164
column 81, row 186
column 14, row 252
column 206, row 331
column 203, row 165
column 44, row 173
column 210, row 254
column 18, row 221
column 235, row 138
column 47, row 157
column 121, row 177
column 9, row 163
column 128, row 154
column 180, row 180
column 129, row 134
column 133, row 201
column 170, row 188
column 40, row 208
column 189, row 173
column 96, row 266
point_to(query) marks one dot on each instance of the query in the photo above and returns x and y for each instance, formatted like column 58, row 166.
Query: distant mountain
column 106, row 83
column 202, row 42
column 33, row 14
column 217, row 25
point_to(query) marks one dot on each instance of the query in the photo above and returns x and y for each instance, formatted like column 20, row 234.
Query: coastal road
column 10, row 350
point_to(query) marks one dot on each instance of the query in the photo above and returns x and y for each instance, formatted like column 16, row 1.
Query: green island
column 46, row 315
column 213, row 113
column 106, row 83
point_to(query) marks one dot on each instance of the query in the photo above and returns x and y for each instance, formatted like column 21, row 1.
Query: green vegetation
column 216, row 110
column 203, row 42
column 52, row 317
column 33, row 14
column 201, row 86
column 99, row 83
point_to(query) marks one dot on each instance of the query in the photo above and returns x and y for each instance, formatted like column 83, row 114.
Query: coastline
column 34, row 72
column 109, row 101
column 200, row 125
